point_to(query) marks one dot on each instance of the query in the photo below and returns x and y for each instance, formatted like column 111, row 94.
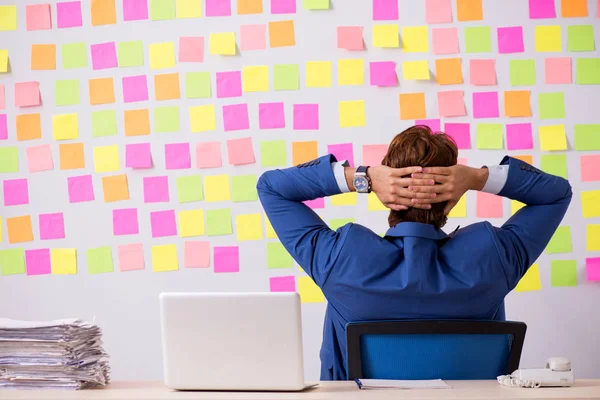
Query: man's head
column 419, row 146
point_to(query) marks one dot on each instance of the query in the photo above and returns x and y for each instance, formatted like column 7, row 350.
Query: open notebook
column 392, row 384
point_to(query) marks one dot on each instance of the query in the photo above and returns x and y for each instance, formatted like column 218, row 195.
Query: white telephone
column 558, row 372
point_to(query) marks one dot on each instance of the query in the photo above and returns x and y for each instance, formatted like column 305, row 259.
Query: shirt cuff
column 498, row 174
column 340, row 176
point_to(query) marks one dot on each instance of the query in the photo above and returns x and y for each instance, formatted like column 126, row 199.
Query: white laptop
column 232, row 341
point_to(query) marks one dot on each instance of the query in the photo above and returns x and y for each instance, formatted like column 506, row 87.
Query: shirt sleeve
column 340, row 176
column 498, row 174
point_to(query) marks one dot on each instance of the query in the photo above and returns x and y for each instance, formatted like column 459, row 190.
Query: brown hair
column 419, row 146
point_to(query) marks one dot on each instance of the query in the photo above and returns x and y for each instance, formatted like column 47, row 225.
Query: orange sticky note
column 115, row 188
column 525, row 158
column 103, row 12
column 137, row 122
column 71, row 156
column 448, row 71
column 281, row 34
column 517, row 103
column 249, row 7
column 19, row 229
column 469, row 10
column 412, row 106
column 43, row 56
column 303, row 152
column 102, row 91
column 166, row 86
column 29, row 127
column 574, row 8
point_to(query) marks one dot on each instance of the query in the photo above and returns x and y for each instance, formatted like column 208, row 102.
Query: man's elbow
column 263, row 185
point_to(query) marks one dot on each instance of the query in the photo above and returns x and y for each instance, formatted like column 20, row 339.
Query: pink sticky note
column 383, row 73
column 342, row 151
column 350, row 38
column 461, row 133
column 590, row 168
column 68, row 14
column 316, row 203
column 485, row 105
column 39, row 158
column 196, row 254
column 208, row 155
column 125, row 222
column 482, row 72
column 218, row 8
column 229, row 84
column 433, row 124
column 227, row 259
column 52, row 226
column 138, row 155
column 271, row 116
column 38, row 17
column 438, row 11
column 539, row 9
column 27, row 94
column 163, row 223
column 510, row 40
column 373, row 154
column 283, row 6
column 519, row 136
column 2, row 97
column 240, row 151
column 385, row 10
column 451, row 103
column 282, row 284
column 135, row 88
column 81, row 188
column 235, row 117
column 3, row 127
column 306, row 116
column 156, row 189
column 104, row 55
column 177, row 155
column 191, row 49
column 445, row 40
column 558, row 70
column 462, row 161
column 135, row 10
column 38, row 262
column 131, row 257
column 16, row 192
column 253, row 37
column 592, row 268
column 488, row 205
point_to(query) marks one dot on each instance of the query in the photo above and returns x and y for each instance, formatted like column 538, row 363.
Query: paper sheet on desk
column 396, row 384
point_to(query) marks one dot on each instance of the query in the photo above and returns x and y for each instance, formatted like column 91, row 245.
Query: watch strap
column 362, row 169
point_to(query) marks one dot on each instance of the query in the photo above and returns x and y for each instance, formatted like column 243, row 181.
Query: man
column 416, row 271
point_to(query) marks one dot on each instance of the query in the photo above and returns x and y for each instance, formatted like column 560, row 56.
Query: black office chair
column 434, row 349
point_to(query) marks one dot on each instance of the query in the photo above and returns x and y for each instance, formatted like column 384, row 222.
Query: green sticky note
column 74, row 55
column 581, row 38
column 489, row 136
column 66, row 92
column 130, row 54
column 197, row 85
column 278, row 256
column 285, row 77
column 555, row 164
column 588, row 71
column 316, row 4
column 551, row 105
column 478, row 39
column 522, row 72
column 99, row 260
column 12, row 261
column 561, row 241
column 166, row 119
column 587, row 137
column 162, row 9
column 243, row 188
column 189, row 188
column 273, row 153
column 218, row 222
column 563, row 273
column 104, row 123
column 9, row 159
column 336, row 223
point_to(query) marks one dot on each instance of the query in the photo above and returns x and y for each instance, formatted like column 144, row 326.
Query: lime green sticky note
column 581, row 38
column 189, row 188
column 561, row 241
column 522, row 72
column 555, row 164
column 478, row 39
column 243, row 188
column 551, row 105
column 162, row 9
column 588, row 71
column 197, row 85
column 587, row 137
column 273, row 153
column 66, row 92
column 99, row 260
column 218, row 222
column 9, row 159
column 166, row 119
column 489, row 136
column 548, row 39
column 130, row 54
column 315, row 4
column 278, row 256
column 563, row 273
column 12, row 261
column 285, row 77
column 74, row 55
column 104, row 123
column 336, row 223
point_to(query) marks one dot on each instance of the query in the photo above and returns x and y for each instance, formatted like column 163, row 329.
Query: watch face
column 361, row 184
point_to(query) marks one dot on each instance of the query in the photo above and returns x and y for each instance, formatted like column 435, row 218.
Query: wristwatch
column 362, row 183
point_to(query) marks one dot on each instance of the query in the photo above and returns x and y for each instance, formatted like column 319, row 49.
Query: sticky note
column 273, row 153
column 415, row 39
column 80, row 188
column 530, row 281
column 574, row 9
column 315, row 4
column 71, row 156
column 3, row 127
column 385, row 10
column 248, row 227
column 162, row 10
column 235, row 117
column 156, row 189
column 66, row 92
column 283, row 6
column 208, row 155
column 337, row 223
column 255, row 78
column 253, row 37
column 434, row 124
column 243, row 188
column 166, row 119
column 385, row 35
column 222, row 43
column 517, row 103
column 218, row 8
column 316, row 203
column 43, row 57
column 551, row 105
column 63, row 261
column 202, row 118
column 415, row 70
column 163, row 223
column 8, row 18
column 218, row 222
column 278, row 256
column 318, row 74
column 489, row 136
column 249, row 7
column 488, row 205
column 125, row 222
column 478, row 39
column 352, row 113
column 373, row 154
column 285, row 77
column 196, row 254
column 191, row 49
column 188, row 8
column 12, row 261
column 510, row 40
column 39, row 158
column 9, row 159
column 374, row 204
column 588, row 71
column 68, row 14
column 344, row 199
column 37, row 17
column 3, row 61
column 65, row 126
column 104, row 123
column 282, row 283
column 540, row 9
column 135, row 10
column 590, row 167
column 138, row 155
column 412, row 106
column 553, row 137
column 269, row 228
column 460, row 209
column 448, row 71
column 563, row 273
column 29, row 127
column 106, row 158
column 162, row 55
column 217, row 188
column 522, row 72
column 99, row 260
column 590, row 203
column 27, row 94
column 304, row 152
column 451, row 103
column 351, row 72
column 306, row 116
column 191, row 223
column 560, row 241
column 131, row 257
column 548, row 39
column 485, row 105
column 592, row 234
column 469, row 10
column 74, row 55
column 38, row 262
column 383, row 73
column 482, row 72
column 103, row 12
column 342, row 151
column 135, row 88
column 350, row 38
column 271, row 116
column 101, row 91
column 104, row 56
column 115, row 188
column 438, row 11
column 445, row 41
column 519, row 136
column 197, row 85
column 240, row 151
column 177, row 156
column 166, row 86
column 309, row 291
column 592, row 266
column 558, row 70
column 227, row 259
column 229, row 84
column 164, row 258
column 580, row 38
column 189, row 188
column 281, row 34
column 130, row 54
column 15, row 192
column 460, row 132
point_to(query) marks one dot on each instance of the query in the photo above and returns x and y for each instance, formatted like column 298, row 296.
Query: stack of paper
column 61, row 354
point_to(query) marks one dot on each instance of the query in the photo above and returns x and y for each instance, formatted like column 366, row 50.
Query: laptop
column 232, row 341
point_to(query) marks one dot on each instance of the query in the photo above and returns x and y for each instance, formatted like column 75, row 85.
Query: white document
column 393, row 384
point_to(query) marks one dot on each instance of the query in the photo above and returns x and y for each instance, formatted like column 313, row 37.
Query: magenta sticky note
column 177, row 156
column 350, row 38
column 433, row 124
column 16, row 192
column 131, row 257
column 163, row 223
column 38, row 262
column 539, row 9
column 135, row 10
column 488, row 205
column 52, row 226
column 482, row 72
column 385, row 10
column 271, row 116
column 485, row 105
column 229, row 84
column 306, row 116
column 81, row 188
column 438, row 11
column 590, row 167
column 38, row 17
column 227, row 259
column 156, row 189
column 445, row 40
column 253, row 37
column 519, row 136
column 125, row 222
column 282, row 284
column 196, row 254
column 27, row 94
column 460, row 132
column 240, row 151
column 235, row 117
column 451, row 103
column 283, row 6
column 104, row 55
column 558, row 70
column 191, row 49
column 373, row 154
column 510, row 40
column 383, row 73
column 316, row 203
column 2, row 97
column 68, row 14
column 218, row 8
column 592, row 269
column 3, row 127
column 135, row 88
column 138, row 155
column 39, row 158
column 208, row 155
column 342, row 151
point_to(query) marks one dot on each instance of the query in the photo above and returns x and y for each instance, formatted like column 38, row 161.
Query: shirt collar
column 417, row 229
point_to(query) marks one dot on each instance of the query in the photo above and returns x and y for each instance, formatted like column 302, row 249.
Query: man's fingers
column 437, row 178
column 405, row 182
column 427, row 189
column 437, row 170
column 406, row 171
column 396, row 207
column 404, row 192
column 438, row 199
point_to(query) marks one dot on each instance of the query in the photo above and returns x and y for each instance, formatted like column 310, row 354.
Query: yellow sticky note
column 162, row 55
column 590, row 203
column 415, row 70
column 63, row 261
column 269, row 228
column 255, row 78
column 248, row 227
column 309, row 291
column 515, row 206
column 351, row 72
column 222, row 43
column 202, row 118
column 65, row 126
column 8, row 18
column 216, row 188
column 191, row 223
column 189, row 8
column 164, row 258
column 385, row 35
column 374, row 204
column 592, row 234
column 415, row 39
column 318, row 74
column 553, row 137
column 548, row 39
column 352, row 113
column 344, row 199
column 3, row 60
column 530, row 281
column 460, row 209
column 106, row 158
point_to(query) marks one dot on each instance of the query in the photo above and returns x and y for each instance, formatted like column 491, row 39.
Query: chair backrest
column 433, row 349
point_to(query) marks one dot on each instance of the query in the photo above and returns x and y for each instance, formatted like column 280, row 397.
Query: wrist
column 480, row 177
column 349, row 174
